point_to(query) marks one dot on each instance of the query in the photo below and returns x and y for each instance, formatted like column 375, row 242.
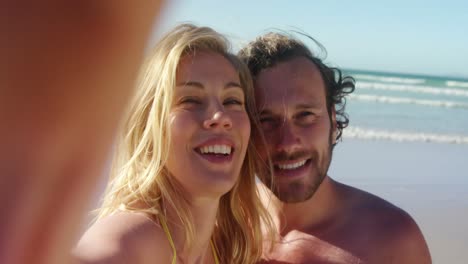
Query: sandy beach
column 427, row 180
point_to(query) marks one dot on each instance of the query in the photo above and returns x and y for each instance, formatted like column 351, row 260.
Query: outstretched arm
column 67, row 71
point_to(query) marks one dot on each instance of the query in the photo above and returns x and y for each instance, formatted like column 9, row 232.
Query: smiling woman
column 184, row 164
column 210, row 124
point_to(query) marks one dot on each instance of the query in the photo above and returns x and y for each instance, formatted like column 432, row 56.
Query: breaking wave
column 388, row 79
column 412, row 88
column 401, row 136
column 405, row 100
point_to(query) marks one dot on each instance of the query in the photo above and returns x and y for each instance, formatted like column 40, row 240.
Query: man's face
column 297, row 127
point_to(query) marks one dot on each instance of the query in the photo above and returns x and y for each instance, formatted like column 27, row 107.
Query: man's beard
column 303, row 189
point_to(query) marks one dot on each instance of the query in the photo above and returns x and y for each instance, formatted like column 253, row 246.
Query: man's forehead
column 291, row 83
column 290, row 101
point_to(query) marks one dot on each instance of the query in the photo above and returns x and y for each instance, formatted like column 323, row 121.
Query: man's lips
column 292, row 168
column 291, row 165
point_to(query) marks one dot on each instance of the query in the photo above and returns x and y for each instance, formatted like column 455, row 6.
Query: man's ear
column 334, row 125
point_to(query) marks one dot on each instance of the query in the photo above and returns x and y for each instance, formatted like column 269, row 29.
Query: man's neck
column 316, row 213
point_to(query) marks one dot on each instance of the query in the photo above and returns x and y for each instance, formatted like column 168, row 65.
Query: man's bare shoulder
column 123, row 237
column 393, row 232
column 373, row 210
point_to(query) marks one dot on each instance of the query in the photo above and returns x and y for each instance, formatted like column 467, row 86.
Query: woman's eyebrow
column 194, row 84
column 199, row 85
column 232, row 85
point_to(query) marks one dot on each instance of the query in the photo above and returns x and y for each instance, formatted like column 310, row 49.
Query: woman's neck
column 203, row 213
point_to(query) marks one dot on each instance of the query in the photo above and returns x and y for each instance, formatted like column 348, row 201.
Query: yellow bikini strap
column 169, row 237
column 171, row 242
column 215, row 255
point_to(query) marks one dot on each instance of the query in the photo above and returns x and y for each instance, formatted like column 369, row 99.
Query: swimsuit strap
column 171, row 242
column 169, row 237
column 213, row 249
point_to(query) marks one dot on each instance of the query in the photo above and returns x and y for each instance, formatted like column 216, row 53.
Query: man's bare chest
column 300, row 247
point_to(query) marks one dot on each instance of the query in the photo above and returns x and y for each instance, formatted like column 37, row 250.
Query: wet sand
column 428, row 180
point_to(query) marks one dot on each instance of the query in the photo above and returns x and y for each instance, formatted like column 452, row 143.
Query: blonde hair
column 138, row 175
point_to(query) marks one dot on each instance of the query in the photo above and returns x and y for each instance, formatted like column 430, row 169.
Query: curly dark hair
column 272, row 48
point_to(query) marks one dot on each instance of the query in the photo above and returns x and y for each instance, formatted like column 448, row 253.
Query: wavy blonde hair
column 138, row 173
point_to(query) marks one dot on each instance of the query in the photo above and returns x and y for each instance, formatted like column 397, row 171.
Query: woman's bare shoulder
column 123, row 237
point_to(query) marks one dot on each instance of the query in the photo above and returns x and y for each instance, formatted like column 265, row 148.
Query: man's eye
column 306, row 117
column 267, row 123
column 266, row 119
column 305, row 114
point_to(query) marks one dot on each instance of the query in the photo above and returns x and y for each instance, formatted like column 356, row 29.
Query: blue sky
column 419, row 37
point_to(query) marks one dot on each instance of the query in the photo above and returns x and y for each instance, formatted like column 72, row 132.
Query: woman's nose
column 219, row 119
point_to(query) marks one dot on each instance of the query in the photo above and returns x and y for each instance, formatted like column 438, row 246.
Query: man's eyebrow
column 307, row 105
column 298, row 107
column 266, row 112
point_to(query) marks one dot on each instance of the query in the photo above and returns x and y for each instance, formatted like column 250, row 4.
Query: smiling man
column 301, row 104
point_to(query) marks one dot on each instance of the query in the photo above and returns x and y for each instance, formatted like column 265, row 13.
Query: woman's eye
column 233, row 101
column 190, row 100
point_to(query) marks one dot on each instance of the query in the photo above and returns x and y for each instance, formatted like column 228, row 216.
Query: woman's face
column 209, row 125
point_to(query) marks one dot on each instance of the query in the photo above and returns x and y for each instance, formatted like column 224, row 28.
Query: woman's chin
column 213, row 188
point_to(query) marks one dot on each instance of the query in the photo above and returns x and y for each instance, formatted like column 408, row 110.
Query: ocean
column 400, row 107
column 407, row 143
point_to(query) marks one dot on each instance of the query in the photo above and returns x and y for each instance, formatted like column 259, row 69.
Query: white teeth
column 216, row 149
column 291, row 166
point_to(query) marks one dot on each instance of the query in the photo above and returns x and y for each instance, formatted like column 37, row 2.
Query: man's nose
column 288, row 140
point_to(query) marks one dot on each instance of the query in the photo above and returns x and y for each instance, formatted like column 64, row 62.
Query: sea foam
column 412, row 88
column 388, row 79
column 406, row 100
column 457, row 83
column 402, row 136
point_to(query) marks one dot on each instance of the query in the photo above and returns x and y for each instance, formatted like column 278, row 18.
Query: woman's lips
column 218, row 150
